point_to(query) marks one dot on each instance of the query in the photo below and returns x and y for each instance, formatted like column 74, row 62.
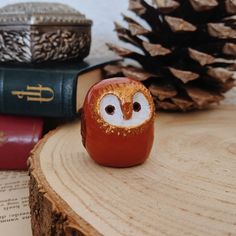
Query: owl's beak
column 127, row 110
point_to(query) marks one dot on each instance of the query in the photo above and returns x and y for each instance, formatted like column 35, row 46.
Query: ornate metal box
column 35, row 32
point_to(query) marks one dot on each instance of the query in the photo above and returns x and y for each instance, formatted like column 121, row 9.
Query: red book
column 18, row 135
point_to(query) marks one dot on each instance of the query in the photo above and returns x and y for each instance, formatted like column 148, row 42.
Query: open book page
column 14, row 206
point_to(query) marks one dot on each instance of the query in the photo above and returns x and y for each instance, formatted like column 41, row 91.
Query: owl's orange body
column 111, row 145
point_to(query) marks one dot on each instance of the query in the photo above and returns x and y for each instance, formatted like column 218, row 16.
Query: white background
column 104, row 13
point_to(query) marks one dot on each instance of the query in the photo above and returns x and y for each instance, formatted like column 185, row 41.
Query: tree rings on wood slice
column 186, row 187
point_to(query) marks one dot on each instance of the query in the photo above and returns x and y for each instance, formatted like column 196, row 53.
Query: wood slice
column 186, row 187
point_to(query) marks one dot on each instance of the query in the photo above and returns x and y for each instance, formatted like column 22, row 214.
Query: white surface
column 103, row 13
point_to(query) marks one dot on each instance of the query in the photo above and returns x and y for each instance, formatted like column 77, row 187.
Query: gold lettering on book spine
column 35, row 94
column 3, row 139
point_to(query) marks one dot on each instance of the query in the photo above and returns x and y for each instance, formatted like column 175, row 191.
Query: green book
column 56, row 90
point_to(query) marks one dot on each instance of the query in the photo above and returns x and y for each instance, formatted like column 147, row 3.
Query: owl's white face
column 110, row 109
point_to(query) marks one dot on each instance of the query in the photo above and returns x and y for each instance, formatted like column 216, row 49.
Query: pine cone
column 187, row 55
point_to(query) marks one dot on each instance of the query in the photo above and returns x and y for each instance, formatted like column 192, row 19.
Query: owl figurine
column 117, row 123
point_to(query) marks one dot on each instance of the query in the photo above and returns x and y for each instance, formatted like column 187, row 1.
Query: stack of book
column 34, row 97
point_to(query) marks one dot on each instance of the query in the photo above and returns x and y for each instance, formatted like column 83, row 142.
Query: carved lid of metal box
column 40, row 13
column 35, row 32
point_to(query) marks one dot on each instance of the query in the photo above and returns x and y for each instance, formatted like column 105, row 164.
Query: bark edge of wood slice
column 187, row 186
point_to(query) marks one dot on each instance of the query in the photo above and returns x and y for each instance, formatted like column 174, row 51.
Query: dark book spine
column 18, row 135
column 37, row 93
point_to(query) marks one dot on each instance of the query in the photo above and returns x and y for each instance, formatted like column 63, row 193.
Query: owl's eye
column 141, row 109
column 136, row 106
column 110, row 109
